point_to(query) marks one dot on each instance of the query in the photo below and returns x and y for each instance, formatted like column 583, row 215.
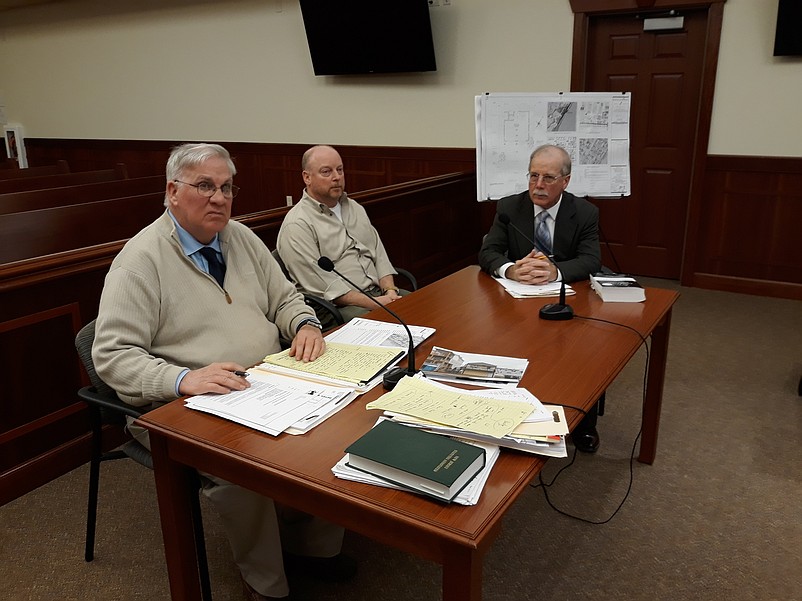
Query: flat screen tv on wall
column 787, row 37
column 350, row 37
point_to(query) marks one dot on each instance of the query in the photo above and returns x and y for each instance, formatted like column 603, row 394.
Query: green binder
column 432, row 464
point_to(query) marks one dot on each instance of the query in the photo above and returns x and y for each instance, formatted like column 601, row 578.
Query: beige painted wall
column 240, row 70
column 756, row 110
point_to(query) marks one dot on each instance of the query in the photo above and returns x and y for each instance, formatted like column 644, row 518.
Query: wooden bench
column 46, row 231
column 17, row 173
column 31, row 200
column 62, row 179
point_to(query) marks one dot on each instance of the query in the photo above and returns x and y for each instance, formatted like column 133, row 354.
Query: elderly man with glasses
column 562, row 225
column 189, row 303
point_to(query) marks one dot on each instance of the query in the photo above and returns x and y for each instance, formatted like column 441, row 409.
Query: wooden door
column 644, row 233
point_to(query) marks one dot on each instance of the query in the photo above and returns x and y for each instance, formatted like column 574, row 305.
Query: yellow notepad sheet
column 348, row 362
column 419, row 398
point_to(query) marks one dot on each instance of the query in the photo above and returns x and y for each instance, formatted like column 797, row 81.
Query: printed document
column 519, row 290
column 275, row 403
column 370, row 332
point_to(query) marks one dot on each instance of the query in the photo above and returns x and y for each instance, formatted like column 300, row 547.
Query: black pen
column 241, row 374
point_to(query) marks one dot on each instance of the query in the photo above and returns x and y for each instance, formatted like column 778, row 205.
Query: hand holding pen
column 218, row 378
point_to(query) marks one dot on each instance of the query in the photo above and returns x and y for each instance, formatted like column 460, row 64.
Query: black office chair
column 413, row 283
column 105, row 408
column 326, row 309
column 321, row 306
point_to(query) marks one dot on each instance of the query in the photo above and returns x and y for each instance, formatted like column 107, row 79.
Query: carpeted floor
column 716, row 517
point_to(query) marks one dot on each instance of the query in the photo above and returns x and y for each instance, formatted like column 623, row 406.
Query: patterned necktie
column 542, row 234
column 217, row 268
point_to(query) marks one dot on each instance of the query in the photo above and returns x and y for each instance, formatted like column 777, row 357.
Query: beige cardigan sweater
column 160, row 314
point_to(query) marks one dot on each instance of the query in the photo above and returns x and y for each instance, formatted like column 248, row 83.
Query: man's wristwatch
column 309, row 321
column 393, row 288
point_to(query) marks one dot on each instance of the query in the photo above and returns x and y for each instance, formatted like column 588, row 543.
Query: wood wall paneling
column 749, row 226
column 267, row 173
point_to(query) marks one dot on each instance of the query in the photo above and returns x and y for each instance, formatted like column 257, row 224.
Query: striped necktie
column 542, row 233
column 217, row 268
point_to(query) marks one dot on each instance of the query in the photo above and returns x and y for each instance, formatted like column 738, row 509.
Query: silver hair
column 566, row 168
column 187, row 156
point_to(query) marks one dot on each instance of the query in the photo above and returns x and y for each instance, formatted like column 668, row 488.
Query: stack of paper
column 441, row 408
column 370, row 332
column 357, row 354
column 519, row 290
column 275, row 403
column 341, row 364
column 291, row 396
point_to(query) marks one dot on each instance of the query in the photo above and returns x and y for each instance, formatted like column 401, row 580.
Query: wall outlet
column 289, row 201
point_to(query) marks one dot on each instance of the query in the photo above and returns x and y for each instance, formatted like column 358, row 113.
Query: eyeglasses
column 207, row 189
column 547, row 179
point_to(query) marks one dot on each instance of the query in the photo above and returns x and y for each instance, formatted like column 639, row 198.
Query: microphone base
column 556, row 312
column 392, row 377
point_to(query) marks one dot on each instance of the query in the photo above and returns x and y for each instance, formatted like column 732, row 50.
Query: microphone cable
column 544, row 486
column 609, row 249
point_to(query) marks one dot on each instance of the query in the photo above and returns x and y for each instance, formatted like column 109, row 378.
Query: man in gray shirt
column 325, row 222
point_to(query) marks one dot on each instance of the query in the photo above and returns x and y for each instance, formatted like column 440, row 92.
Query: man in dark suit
column 565, row 226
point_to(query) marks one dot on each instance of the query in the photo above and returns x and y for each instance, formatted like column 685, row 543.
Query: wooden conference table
column 571, row 362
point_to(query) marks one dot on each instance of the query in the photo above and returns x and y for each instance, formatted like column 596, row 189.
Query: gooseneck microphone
column 551, row 311
column 392, row 376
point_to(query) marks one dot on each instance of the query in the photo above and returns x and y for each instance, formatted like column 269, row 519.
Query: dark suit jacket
column 576, row 236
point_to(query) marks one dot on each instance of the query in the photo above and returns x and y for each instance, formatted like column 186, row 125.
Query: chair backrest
column 326, row 311
column 281, row 264
column 83, row 344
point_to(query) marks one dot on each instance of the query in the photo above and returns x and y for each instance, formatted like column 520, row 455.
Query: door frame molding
column 584, row 10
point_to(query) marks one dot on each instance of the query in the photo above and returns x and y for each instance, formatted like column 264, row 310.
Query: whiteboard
column 593, row 127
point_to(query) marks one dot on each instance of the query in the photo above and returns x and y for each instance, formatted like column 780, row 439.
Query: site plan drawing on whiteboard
column 593, row 127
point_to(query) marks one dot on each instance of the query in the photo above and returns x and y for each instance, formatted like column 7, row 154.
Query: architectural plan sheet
column 592, row 126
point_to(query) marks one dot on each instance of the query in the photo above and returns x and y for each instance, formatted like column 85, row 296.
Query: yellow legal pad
column 348, row 362
column 419, row 398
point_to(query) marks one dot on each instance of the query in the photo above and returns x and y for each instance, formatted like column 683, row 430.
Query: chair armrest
column 90, row 395
column 318, row 303
column 409, row 277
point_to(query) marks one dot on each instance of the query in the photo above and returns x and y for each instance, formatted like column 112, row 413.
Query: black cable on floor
column 545, row 486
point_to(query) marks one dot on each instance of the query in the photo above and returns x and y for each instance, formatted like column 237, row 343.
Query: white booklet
column 618, row 288
column 471, row 368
